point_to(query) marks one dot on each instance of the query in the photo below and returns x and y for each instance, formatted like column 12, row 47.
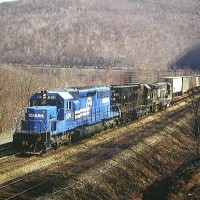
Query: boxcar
column 176, row 83
column 186, row 83
column 193, row 82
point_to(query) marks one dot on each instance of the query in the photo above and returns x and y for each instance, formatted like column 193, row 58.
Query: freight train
column 63, row 116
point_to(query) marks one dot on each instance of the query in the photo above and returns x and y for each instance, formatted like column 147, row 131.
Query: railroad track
column 6, row 150
column 16, row 162
column 5, row 147
column 32, row 185
column 7, row 153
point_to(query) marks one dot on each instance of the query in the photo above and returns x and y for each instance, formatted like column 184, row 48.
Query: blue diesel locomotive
column 64, row 115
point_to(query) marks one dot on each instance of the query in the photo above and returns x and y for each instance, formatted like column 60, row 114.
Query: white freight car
column 176, row 82
column 187, row 82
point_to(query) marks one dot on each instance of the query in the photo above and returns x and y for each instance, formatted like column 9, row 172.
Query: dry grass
column 133, row 173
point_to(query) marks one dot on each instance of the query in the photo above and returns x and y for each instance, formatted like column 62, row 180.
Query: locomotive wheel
column 55, row 145
column 75, row 137
column 17, row 145
column 104, row 128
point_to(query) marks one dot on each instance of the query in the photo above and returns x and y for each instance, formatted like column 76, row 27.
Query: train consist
column 64, row 115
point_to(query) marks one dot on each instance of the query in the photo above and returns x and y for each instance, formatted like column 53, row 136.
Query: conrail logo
column 36, row 115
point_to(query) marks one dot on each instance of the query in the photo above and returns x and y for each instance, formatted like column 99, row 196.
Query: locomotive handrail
column 16, row 119
column 45, row 132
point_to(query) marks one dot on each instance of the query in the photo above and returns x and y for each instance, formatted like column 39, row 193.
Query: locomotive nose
column 38, row 118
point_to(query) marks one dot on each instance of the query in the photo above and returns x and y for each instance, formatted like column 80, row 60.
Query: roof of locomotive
column 159, row 84
column 65, row 95
column 125, row 86
column 162, row 83
column 82, row 89
column 68, row 93
column 147, row 86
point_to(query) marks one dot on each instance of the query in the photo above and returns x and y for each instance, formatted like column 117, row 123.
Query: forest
column 131, row 33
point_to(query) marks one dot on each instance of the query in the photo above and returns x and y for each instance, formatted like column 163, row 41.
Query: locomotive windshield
column 43, row 102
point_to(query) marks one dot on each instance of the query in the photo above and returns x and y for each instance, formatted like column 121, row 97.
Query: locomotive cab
column 48, row 114
column 38, row 118
column 162, row 94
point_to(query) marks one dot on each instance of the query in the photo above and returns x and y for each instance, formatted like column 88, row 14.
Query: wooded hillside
column 140, row 34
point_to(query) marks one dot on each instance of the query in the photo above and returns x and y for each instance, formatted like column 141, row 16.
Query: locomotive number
column 51, row 97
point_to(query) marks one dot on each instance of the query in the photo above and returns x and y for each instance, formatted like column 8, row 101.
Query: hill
column 140, row 34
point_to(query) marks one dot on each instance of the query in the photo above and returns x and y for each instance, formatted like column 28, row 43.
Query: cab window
column 51, row 102
column 69, row 105
column 43, row 102
column 33, row 103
